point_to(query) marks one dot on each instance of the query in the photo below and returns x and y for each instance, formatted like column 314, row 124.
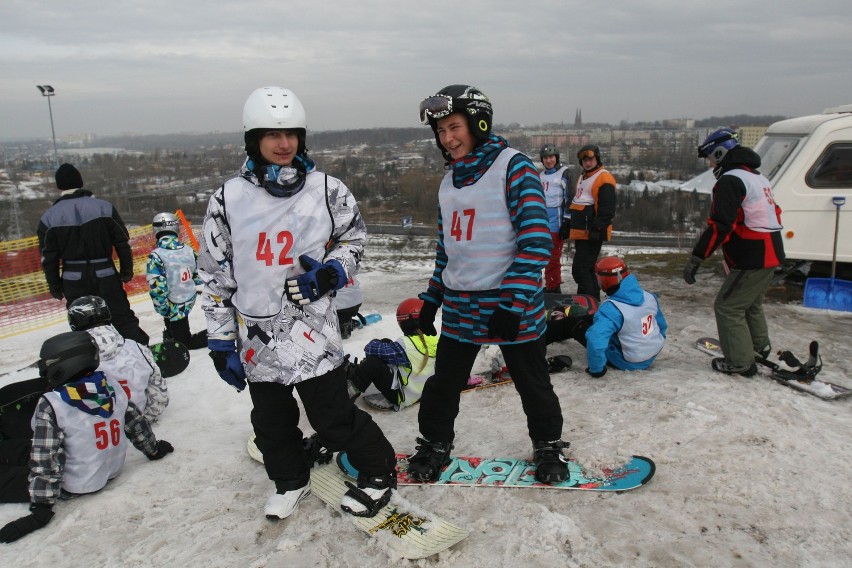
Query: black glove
column 163, row 448
column 504, row 324
column 56, row 292
column 126, row 276
column 596, row 234
column 41, row 513
column 565, row 229
column 690, row 268
column 427, row 318
column 598, row 374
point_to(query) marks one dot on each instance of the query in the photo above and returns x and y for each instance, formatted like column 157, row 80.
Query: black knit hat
column 68, row 177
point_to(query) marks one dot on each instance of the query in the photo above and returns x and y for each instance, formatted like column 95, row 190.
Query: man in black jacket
column 79, row 233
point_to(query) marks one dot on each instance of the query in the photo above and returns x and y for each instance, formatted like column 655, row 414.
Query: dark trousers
column 102, row 280
column 583, row 268
column 372, row 370
column 340, row 424
column 569, row 327
column 179, row 331
column 17, row 405
column 527, row 365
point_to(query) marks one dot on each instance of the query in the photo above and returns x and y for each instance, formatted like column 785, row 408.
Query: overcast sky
column 158, row 67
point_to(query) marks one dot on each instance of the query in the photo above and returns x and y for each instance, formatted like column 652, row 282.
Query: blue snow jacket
column 602, row 341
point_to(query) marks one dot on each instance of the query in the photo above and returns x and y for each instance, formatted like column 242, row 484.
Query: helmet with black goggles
column 464, row 99
column 165, row 223
column 717, row 144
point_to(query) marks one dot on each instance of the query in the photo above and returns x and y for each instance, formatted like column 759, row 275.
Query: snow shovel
column 829, row 293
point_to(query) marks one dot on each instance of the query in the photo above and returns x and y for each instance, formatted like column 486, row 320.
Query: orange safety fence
column 26, row 304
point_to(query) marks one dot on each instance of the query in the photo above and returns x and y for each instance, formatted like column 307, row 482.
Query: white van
column 809, row 162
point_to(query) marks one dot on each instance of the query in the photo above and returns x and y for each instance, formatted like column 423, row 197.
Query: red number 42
column 264, row 248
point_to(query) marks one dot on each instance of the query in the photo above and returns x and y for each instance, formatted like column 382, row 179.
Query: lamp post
column 47, row 91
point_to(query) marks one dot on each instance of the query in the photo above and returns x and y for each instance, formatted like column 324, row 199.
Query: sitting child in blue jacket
column 627, row 331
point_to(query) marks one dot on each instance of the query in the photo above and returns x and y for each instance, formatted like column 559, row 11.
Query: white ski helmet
column 273, row 108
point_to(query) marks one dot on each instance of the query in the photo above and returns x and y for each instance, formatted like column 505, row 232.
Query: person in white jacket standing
column 279, row 239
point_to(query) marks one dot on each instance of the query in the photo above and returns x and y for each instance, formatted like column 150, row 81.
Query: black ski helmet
column 87, row 312
column 464, row 99
column 582, row 153
column 67, row 356
column 549, row 150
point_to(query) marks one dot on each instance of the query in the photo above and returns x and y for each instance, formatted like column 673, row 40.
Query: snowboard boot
column 724, row 366
column 346, row 328
column 426, row 463
column 763, row 353
column 282, row 505
column 551, row 465
column 369, row 496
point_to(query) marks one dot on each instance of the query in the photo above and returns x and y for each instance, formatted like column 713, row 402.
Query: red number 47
column 456, row 225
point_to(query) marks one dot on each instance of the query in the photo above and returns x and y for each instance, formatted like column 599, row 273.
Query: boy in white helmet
column 278, row 240
column 172, row 274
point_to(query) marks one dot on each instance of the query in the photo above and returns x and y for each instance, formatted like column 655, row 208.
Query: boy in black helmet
column 81, row 428
column 493, row 243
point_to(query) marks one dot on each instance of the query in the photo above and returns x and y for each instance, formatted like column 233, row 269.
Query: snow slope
column 749, row 473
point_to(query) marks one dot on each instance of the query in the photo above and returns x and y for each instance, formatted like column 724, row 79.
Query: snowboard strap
column 372, row 506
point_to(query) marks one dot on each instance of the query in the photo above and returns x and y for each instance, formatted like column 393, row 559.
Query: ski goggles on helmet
column 586, row 154
column 435, row 107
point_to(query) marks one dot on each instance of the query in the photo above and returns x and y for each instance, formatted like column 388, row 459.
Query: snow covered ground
column 749, row 472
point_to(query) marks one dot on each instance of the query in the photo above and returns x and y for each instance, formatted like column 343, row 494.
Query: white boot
column 282, row 505
column 368, row 497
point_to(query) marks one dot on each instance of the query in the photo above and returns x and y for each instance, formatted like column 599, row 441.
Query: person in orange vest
column 592, row 210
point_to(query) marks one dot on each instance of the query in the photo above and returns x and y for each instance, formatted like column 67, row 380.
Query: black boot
column 551, row 465
column 426, row 464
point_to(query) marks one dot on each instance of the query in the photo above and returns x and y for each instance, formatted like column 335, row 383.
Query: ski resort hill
column 749, row 472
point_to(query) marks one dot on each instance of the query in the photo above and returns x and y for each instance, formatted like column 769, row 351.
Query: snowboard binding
column 802, row 372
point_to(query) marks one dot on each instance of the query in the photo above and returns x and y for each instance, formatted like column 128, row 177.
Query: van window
column 774, row 151
column 833, row 168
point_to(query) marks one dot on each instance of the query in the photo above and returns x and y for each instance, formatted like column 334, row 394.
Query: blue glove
column 227, row 362
column 317, row 281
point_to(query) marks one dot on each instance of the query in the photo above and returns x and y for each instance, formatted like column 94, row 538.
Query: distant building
column 578, row 117
column 749, row 135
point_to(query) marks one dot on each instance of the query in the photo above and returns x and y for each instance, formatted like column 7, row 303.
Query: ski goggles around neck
column 435, row 107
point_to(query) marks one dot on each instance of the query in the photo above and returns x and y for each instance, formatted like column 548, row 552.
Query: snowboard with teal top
column 513, row 472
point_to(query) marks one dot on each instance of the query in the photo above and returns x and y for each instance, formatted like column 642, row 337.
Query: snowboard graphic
column 171, row 357
column 589, row 302
column 414, row 533
column 512, row 472
column 822, row 389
